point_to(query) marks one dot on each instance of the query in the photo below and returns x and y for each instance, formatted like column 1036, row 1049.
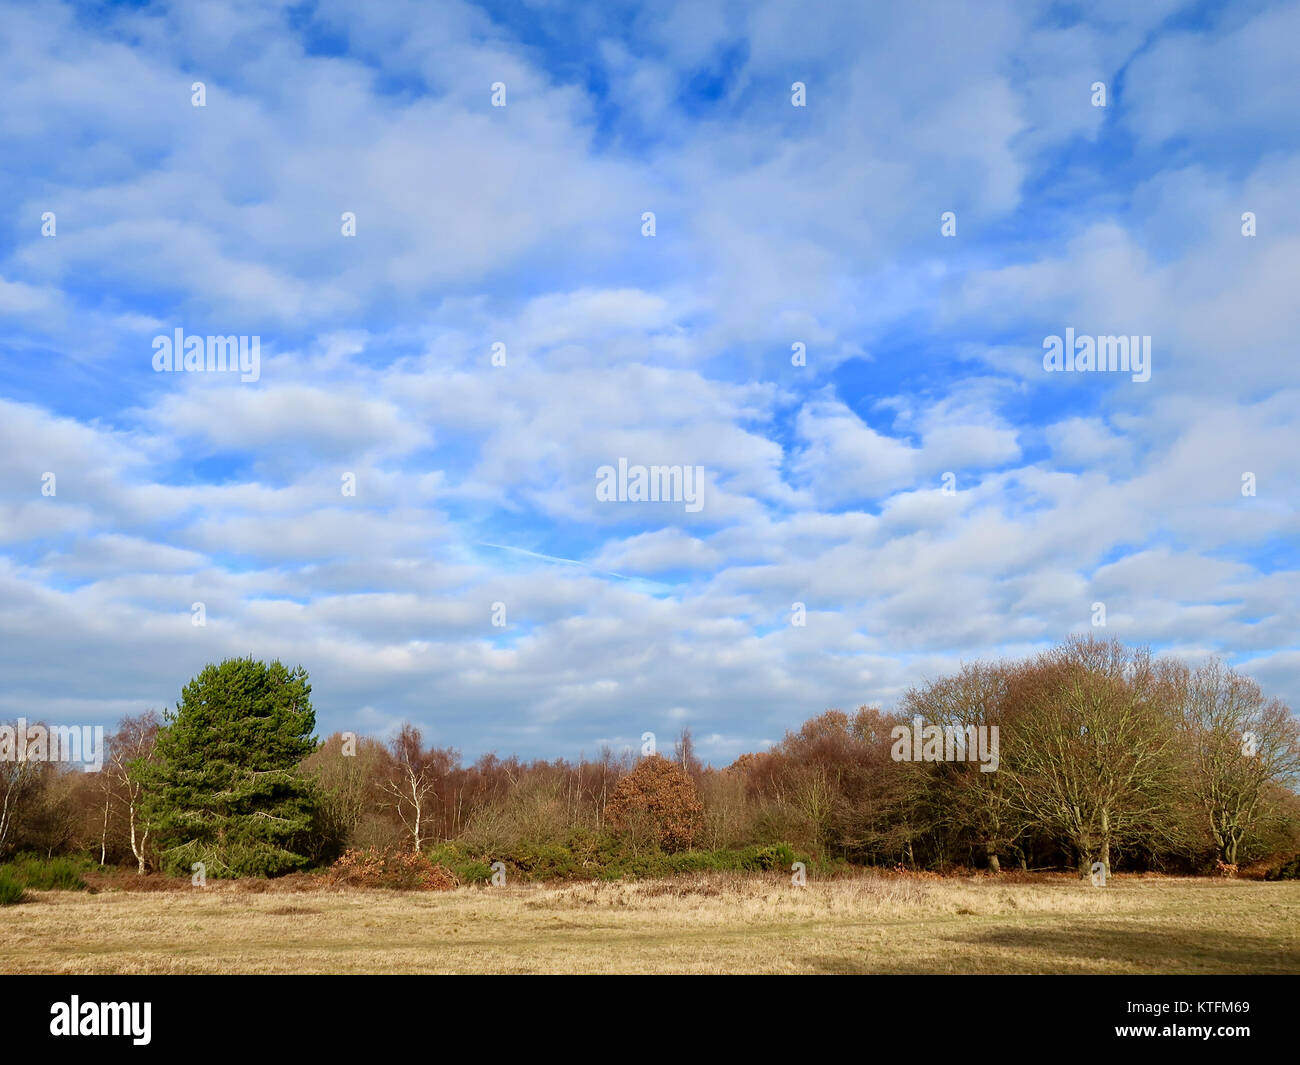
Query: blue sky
column 522, row 225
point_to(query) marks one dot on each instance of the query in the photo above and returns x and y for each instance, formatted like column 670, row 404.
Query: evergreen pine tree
column 224, row 788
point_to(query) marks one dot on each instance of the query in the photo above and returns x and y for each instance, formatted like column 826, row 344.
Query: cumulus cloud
column 499, row 328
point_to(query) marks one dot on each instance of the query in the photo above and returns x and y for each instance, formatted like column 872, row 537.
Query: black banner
column 265, row 1014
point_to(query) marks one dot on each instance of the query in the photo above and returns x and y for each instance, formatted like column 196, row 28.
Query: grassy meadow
column 709, row 923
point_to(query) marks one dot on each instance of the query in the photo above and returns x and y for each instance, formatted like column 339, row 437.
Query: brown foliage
column 401, row 870
column 659, row 797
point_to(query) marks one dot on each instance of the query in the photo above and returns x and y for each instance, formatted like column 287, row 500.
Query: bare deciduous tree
column 130, row 747
column 976, row 803
column 1239, row 743
column 412, row 781
column 18, row 781
column 1092, row 753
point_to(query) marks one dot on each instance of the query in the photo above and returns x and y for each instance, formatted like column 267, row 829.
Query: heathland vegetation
column 1102, row 754
column 864, row 921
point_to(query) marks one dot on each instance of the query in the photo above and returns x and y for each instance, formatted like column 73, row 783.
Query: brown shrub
column 660, row 798
column 903, row 871
column 388, row 869
column 129, row 880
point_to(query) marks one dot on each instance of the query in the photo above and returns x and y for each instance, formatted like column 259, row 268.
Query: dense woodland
column 1106, row 754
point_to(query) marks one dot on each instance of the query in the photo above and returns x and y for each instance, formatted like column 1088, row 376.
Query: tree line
column 1104, row 754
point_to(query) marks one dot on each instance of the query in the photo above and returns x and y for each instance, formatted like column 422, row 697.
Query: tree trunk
column 103, row 836
column 137, row 848
column 1105, row 841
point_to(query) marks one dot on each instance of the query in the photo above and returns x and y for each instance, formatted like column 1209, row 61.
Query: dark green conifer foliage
column 225, row 788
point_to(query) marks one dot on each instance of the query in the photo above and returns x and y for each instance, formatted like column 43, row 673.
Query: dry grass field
column 872, row 923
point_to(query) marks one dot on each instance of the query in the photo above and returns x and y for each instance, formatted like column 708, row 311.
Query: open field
column 873, row 923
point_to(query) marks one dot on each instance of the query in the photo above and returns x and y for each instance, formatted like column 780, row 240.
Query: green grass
column 47, row 874
column 584, row 856
column 11, row 891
